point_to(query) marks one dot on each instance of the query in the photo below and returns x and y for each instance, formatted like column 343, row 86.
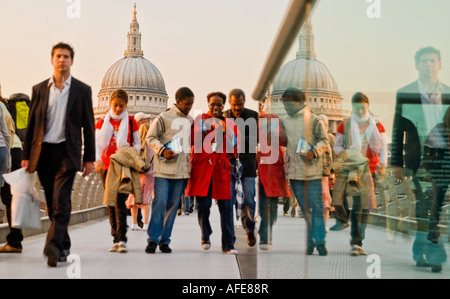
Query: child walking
column 113, row 133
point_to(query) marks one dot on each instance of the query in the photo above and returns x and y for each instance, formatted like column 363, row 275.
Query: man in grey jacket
column 307, row 141
column 169, row 131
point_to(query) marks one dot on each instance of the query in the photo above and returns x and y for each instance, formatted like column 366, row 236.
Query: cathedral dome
column 298, row 72
column 313, row 78
column 134, row 73
column 140, row 78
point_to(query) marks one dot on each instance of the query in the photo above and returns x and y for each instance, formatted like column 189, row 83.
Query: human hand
column 398, row 173
column 99, row 166
column 87, row 168
column 168, row 154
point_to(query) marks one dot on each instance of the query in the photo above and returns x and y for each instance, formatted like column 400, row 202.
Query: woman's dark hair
column 217, row 93
column 182, row 93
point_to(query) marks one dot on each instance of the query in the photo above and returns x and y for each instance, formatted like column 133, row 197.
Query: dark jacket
column 408, row 102
column 249, row 140
column 79, row 124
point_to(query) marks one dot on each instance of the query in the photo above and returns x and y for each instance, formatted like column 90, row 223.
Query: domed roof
column 305, row 72
column 296, row 73
column 133, row 73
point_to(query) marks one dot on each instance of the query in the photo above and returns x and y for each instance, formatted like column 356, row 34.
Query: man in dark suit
column 420, row 107
column 60, row 120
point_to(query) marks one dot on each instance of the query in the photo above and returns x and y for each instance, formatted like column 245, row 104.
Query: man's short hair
column 427, row 50
column 295, row 94
column 62, row 45
column 120, row 94
column 237, row 93
column 183, row 93
column 217, row 93
column 359, row 97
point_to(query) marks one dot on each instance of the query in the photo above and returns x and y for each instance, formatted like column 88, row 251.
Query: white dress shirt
column 56, row 112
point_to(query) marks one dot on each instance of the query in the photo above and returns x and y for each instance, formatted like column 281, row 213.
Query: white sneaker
column 265, row 246
column 230, row 251
column 135, row 227
column 145, row 227
column 206, row 245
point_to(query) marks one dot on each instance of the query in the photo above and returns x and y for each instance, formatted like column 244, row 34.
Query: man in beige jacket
column 169, row 138
column 307, row 141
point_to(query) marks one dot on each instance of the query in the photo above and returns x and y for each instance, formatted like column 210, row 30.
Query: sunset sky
column 217, row 45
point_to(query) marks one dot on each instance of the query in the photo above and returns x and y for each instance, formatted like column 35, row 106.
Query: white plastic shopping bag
column 25, row 206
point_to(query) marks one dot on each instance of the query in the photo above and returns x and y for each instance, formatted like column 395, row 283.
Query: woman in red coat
column 272, row 177
column 213, row 141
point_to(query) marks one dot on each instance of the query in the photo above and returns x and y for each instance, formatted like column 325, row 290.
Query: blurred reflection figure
column 306, row 143
column 328, row 159
column 420, row 107
column 272, row 177
column 362, row 152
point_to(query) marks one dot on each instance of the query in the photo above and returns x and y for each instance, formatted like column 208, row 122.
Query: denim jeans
column 164, row 208
column 3, row 163
column 226, row 219
column 309, row 197
column 268, row 207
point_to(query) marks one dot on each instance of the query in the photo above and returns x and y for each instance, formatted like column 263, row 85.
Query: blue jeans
column 164, row 208
column 226, row 219
column 268, row 208
column 309, row 197
column 3, row 163
column 248, row 209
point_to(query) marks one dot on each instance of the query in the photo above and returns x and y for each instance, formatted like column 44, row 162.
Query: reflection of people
column 436, row 161
column 362, row 151
column 306, row 142
column 272, row 177
column 247, row 156
column 211, row 170
column 61, row 119
column 328, row 159
column 419, row 106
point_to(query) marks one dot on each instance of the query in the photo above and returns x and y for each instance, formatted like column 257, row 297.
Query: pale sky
column 217, row 45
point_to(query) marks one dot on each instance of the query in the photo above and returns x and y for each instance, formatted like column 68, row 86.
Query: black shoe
column 436, row 268
column 165, row 248
column 310, row 249
column 52, row 254
column 251, row 239
column 322, row 250
column 422, row 264
column 339, row 226
column 63, row 256
column 151, row 247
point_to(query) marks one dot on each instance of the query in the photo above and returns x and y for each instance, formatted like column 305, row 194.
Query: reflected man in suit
column 420, row 106
column 60, row 120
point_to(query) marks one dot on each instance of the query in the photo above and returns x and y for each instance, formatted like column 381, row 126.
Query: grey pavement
column 389, row 255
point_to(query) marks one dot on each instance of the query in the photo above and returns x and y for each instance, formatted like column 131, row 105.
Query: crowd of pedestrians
column 222, row 155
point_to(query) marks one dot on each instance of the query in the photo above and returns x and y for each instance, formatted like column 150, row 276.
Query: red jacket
column 271, row 173
column 210, row 168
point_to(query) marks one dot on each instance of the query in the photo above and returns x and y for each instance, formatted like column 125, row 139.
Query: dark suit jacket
column 79, row 121
column 410, row 96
